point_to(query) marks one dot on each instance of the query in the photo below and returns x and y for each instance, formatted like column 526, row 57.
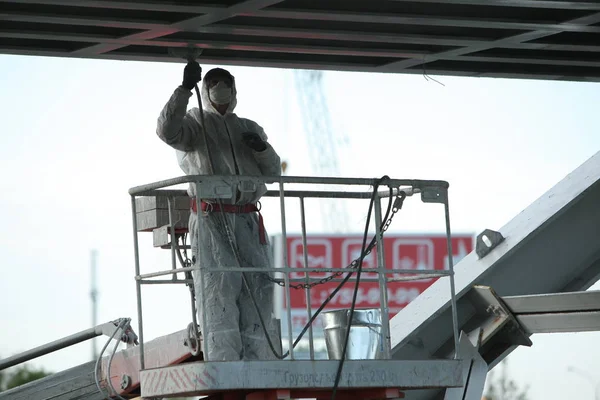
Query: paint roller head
column 188, row 53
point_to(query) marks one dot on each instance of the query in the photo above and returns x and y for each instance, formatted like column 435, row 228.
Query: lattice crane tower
column 322, row 143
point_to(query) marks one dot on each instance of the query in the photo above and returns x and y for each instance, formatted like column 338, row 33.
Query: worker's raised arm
column 267, row 159
column 176, row 126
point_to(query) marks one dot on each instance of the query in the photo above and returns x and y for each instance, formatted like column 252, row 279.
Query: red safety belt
column 235, row 209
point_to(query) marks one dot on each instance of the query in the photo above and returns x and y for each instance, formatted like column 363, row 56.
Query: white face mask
column 220, row 93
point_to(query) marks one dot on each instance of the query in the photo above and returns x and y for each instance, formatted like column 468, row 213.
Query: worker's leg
column 217, row 297
column 254, row 341
column 255, row 254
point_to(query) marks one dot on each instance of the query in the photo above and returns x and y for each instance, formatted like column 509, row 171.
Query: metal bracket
column 496, row 317
column 128, row 336
column 487, row 241
column 434, row 195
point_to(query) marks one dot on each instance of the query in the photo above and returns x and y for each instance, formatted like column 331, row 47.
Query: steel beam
column 534, row 60
column 288, row 48
column 302, row 14
column 554, row 302
column 557, row 312
column 372, row 51
column 568, row 5
column 129, row 5
column 255, row 31
column 520, row 38
column 561, row 322
column 263, row 33
column 79, row 21
column 419, row 20
column 295, row 64
column 567, row 47
column 356, row 35
column 216, row 16
column 237, row 61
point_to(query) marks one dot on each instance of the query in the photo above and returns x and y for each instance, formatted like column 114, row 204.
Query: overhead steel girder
column 532, row 39
column 552, row 246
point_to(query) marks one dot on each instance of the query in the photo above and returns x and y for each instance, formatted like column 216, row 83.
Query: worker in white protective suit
column 238, row 146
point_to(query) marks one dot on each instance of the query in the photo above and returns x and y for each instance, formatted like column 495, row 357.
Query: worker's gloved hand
column 254, row 141
column 192, row 74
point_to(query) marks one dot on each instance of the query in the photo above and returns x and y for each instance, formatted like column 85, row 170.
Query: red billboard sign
column 416, row 252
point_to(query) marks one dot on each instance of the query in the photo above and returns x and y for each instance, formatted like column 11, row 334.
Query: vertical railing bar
column 170, row 204
column 138, row 284
column 381, row 268
column 452, row 283
column 286, row 274
column 307, row 290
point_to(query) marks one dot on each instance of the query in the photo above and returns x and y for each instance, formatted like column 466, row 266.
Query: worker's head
column 218, row 90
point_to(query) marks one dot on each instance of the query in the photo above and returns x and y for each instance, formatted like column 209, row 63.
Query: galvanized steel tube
column 307, row 290
column 138, row 286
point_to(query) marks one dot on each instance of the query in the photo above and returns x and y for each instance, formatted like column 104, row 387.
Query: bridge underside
column 532, row 39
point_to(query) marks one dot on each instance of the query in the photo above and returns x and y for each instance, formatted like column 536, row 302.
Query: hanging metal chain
column 398, row 201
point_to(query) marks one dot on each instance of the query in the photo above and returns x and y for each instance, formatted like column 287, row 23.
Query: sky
column 77, row 134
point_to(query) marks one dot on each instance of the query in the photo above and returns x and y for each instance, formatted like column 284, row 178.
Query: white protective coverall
column 233, row 330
